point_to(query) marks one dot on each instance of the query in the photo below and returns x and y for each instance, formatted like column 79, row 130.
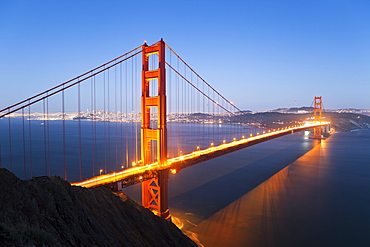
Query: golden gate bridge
column 134, row 132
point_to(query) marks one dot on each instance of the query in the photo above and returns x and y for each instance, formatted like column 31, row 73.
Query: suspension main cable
column 204, row 94
column 67, row 82
column 212, row 87
column 62, row 89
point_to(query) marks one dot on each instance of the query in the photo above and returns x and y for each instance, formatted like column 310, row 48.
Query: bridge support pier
column 155, row 195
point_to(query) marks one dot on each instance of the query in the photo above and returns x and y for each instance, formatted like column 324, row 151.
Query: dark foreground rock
column 49, row 211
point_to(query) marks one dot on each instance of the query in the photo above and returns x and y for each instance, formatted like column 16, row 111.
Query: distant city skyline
column 260, row 55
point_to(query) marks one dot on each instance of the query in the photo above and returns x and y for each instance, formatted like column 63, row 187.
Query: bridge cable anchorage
column 213, row 88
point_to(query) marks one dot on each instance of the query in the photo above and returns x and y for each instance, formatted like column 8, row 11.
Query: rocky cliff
column 48, row 211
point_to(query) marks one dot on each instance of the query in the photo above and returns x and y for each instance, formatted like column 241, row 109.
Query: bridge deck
column 134, row 175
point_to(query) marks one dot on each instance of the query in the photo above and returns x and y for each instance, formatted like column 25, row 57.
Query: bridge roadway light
column 101, row 170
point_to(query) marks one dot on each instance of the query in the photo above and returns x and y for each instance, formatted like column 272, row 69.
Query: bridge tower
column 317, row 112
column 155, row 190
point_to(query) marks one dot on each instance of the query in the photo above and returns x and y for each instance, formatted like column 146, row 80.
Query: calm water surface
column 36, row 148
column 291, row 191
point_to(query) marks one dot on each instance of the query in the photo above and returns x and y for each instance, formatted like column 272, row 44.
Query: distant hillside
column 348, row 121
column 294, row 109
column 340, row 121
column 49, row 211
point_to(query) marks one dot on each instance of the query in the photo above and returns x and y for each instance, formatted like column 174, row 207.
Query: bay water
column 290, row 191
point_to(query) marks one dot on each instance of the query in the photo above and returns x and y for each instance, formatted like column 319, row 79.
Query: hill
column 339, row 121
column 48, row 211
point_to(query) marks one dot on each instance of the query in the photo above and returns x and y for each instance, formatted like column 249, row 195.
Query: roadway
column 124, row 178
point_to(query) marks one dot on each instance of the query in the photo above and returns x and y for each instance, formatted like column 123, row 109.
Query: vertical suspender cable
column 136, row 122
column 30, row 136
column 121, row 116
column 48, row 133
column 126, row 113
column 104, row 125
column 24, row 146
column 171, row 105
column 178, row 111
column 184, row 112
column 64, row 138
column 199, row 109
column 93, row 124
column 178, row 131
column 79, row 128
column 204, row 116
column 109, row 119
column 132, row 109
column 116, row 114
column 45, row 143
column 10, row 143
column 213, row 120
column 168, row 85
column 211, row 117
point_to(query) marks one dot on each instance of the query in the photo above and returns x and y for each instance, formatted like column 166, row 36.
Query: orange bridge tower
column 154, row 137
column 317, row 112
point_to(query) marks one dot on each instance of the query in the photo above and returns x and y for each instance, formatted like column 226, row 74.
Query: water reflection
column 269, row 213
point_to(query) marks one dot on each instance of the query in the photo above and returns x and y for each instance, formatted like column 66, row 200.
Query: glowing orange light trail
column 193, row 157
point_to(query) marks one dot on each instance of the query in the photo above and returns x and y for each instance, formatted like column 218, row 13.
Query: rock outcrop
column 48, row 211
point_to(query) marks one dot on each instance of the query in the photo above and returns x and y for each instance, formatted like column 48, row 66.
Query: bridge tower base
column 154, row 137
column 155, row 195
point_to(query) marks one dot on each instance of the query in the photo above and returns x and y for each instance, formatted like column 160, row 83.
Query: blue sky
column 259, row 54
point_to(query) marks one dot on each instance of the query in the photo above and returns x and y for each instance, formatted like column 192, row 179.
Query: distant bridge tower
column 317, row 112
column 155, row 190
